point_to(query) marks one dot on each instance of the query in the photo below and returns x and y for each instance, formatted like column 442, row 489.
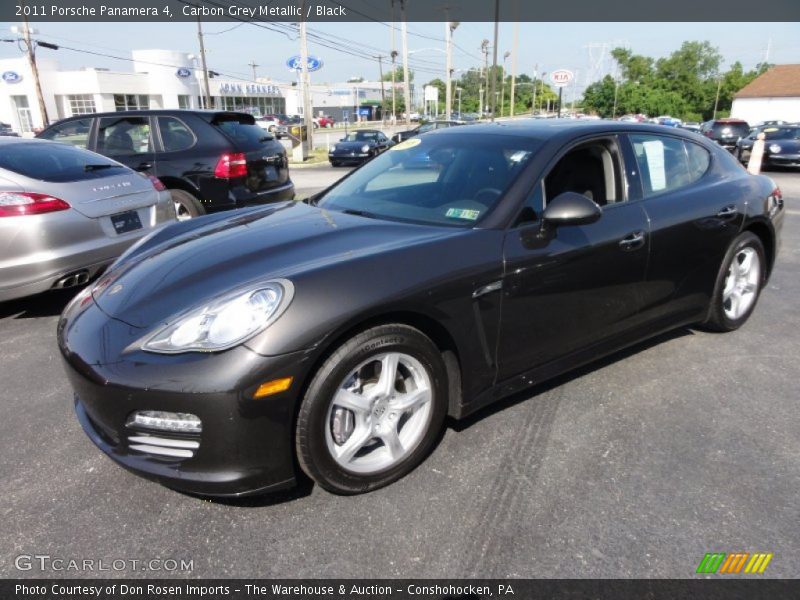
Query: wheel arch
column 426, row 324
column 176, row 183
column 767, row 237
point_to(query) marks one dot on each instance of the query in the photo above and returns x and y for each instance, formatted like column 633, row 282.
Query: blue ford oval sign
column 312, row 63
column 12, row 77
column 183, row 72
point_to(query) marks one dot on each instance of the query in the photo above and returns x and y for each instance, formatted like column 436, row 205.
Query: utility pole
column 485, row 50
column 253, row 65
column 383, row 94
column 203, row 63
column 394, row 71
column 716, row 100
column 448, row 94
column 31, row 48
column 503, row 82
column 308, row 116
column 459, row 90
column 406, row 84
column 533, row 100
column 514, row 67
column 493, row 97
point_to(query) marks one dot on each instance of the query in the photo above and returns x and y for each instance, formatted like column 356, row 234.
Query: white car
column 274, row 126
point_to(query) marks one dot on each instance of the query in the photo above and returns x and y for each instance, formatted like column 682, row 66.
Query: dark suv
column 210, row 160
column 726, row 132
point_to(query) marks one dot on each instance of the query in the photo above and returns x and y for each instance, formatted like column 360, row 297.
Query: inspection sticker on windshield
column 407, row 144
column 462, row 213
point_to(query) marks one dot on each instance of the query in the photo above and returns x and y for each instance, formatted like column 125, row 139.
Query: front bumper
column 349, row 157
column 245, row 446
column 782, row 160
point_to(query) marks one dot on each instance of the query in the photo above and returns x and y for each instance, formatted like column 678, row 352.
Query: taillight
column 160, row 187
column 231, row 165
column 16, row 204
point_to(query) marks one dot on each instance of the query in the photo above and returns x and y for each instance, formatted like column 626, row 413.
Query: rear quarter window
column 56, row 163
column 243, row 132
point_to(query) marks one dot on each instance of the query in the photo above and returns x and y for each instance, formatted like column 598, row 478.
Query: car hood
column 187, row 263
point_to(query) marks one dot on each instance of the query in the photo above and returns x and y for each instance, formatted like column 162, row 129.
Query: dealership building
column 159, row 79
column 168, row 79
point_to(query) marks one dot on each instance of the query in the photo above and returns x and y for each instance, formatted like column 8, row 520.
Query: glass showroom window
column 131, row 102
column 183, row 102
column 81, row 104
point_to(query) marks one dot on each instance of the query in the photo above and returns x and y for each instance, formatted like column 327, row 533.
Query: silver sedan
column 67, row 213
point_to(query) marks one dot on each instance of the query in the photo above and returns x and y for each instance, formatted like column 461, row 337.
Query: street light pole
column 503, row 82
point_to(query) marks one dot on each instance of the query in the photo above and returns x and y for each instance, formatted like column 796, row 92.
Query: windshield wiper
column 360, row 213
column 99, row 167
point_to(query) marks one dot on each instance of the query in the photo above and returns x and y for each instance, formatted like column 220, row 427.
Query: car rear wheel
column 738, row 284
column 373, row 410
column 186, row 205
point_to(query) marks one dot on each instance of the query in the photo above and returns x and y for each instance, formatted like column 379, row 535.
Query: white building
column 160, row 79
column 349, row 99
column 773, row 96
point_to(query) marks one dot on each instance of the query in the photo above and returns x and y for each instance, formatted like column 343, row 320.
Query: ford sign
column 12, row 77
column 183, row 72
column 312, row 63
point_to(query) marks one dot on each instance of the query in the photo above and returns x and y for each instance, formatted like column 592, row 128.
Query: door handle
column 728, row 211
column 633, row 241
column 144, row 166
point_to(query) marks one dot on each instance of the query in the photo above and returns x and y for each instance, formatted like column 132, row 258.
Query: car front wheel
column 739, row 283
column 373, row 411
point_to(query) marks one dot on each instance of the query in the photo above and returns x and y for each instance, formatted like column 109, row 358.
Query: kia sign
column 312, row 63
column 561, row 78
column 12, row 77
column 183, row 72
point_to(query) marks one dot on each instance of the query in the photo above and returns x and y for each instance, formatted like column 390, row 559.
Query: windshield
column 786, row 133
column 740, row 128
column 442, row 179
column 361, row 136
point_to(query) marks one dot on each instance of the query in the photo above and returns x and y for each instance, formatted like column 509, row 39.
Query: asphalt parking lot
column 635, row 466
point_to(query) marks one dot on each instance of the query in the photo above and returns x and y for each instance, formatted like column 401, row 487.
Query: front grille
column 157, row 445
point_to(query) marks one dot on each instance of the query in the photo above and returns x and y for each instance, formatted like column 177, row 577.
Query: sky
column 580, row 47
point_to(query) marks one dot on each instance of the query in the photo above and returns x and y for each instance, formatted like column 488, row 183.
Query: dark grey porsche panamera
column 223, row 355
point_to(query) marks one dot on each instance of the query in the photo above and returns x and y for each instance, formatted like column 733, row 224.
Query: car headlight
column 332, row 148
column 365, row 148
column 225, row 321
column 775, row 148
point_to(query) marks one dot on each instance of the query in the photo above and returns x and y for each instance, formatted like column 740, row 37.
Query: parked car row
column 68, row 209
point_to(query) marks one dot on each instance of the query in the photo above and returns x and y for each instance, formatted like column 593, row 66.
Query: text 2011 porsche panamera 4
column 222, row 355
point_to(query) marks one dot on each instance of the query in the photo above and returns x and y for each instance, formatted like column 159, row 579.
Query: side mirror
column 570, row 208
column 342, row 139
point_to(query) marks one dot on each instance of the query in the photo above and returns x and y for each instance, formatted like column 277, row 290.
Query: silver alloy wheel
column 380, row 413
column 741, row 283
column 181, row 212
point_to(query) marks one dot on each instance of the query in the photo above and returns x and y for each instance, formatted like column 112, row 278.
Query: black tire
column 186, row 205
column 311, row 446
column 718, row 320
column 335, row 163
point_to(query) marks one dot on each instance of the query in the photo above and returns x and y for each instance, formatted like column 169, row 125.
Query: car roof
column 22, row 140
column 558, row 128
column 155, row 111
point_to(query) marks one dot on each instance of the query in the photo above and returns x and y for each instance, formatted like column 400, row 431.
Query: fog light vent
column 165, row 421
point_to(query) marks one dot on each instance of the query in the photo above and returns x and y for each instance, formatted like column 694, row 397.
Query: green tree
column 398, row 75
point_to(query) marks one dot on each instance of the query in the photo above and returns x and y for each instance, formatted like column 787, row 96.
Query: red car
column 324, row 121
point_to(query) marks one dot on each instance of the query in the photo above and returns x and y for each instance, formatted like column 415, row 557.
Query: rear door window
column 72, row 132
column 175, row 134
column 667, row 163
column 57, row 163
column 124, row 136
